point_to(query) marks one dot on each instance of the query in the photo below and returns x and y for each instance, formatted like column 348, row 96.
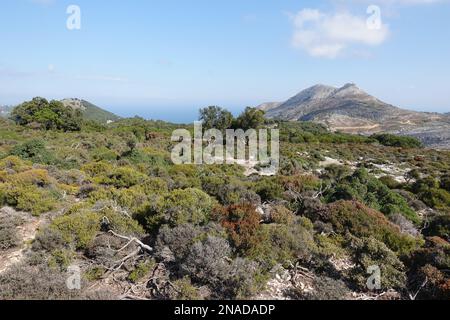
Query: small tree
column 216, row 117
column 251, row 118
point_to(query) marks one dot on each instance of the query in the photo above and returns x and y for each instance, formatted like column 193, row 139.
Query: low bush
column 282, row 244
column 439, row 226
column 27, row 198
column 366, row 188
column 209, row 262
column 391, row 140
column 141, row 270
column 325, row 288
column 369, row 252
column 15, row 164
column 234, row 193
column 242, row 223
column 361, row 221
column 173, row 244
column 77, row 229
column 8, row 232
column 26, row 282
column 122, row 177
column 281, row 215
column 268, row 189
column 433, row 284
column 180, row 207
column 35, row 151
column 186, row 290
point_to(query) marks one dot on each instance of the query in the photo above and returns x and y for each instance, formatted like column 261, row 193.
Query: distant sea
column 181, row 115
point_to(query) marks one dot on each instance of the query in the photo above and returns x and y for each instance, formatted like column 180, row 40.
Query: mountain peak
column 349, row 85
column 351, row 89
column 320, row 102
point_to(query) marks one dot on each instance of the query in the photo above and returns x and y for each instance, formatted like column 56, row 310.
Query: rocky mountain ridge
column 350, row 109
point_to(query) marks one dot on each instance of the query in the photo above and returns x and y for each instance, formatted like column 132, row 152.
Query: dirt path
column 26, row 232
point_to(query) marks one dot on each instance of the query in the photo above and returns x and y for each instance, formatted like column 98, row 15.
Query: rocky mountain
column 269, row 105
column 91, row 111
column 350, row 109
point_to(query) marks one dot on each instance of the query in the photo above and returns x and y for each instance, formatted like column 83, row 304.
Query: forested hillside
column 108, row 200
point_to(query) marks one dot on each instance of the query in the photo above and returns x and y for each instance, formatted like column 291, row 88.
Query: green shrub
column 123, row 177
column 369, row 252
column 437, row 198
column 141, row 270
column 366, row 188
column 282, row 244
column 391, row 140
column 97, row 168
column 120, row 222
column 35, row 151
column 37, row 177
column 361, row 221
column 390, row 182
column 185, row 290
column 251, row 118
column 104, row 154
column 268, row 189
column 445, row 183
column 27, row 198
column 8, row 232
column 436, row 252
column 327, row 289
column 94, row 273
column 77, row 229
column 182, row 206
column 439, row 226
column 14, row 163
column 60, row 258
column 281, row 215
column 234, row 193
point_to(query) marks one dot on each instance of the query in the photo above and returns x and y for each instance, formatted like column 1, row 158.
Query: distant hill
column 91, row 111
column 5, row 111
column 350, row 109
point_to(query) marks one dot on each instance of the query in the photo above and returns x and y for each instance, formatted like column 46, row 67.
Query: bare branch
column 143, row 246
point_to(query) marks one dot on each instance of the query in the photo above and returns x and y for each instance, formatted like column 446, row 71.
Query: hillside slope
column 91, row 111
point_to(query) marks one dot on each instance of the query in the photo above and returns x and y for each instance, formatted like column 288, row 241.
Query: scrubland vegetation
column 111, row 201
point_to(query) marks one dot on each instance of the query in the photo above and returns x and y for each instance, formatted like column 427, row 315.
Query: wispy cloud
column 330, row 35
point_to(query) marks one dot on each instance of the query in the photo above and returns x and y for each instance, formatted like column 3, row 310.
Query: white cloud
column 329, row 35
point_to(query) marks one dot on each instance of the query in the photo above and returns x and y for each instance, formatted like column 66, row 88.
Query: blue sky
column 166, row 59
